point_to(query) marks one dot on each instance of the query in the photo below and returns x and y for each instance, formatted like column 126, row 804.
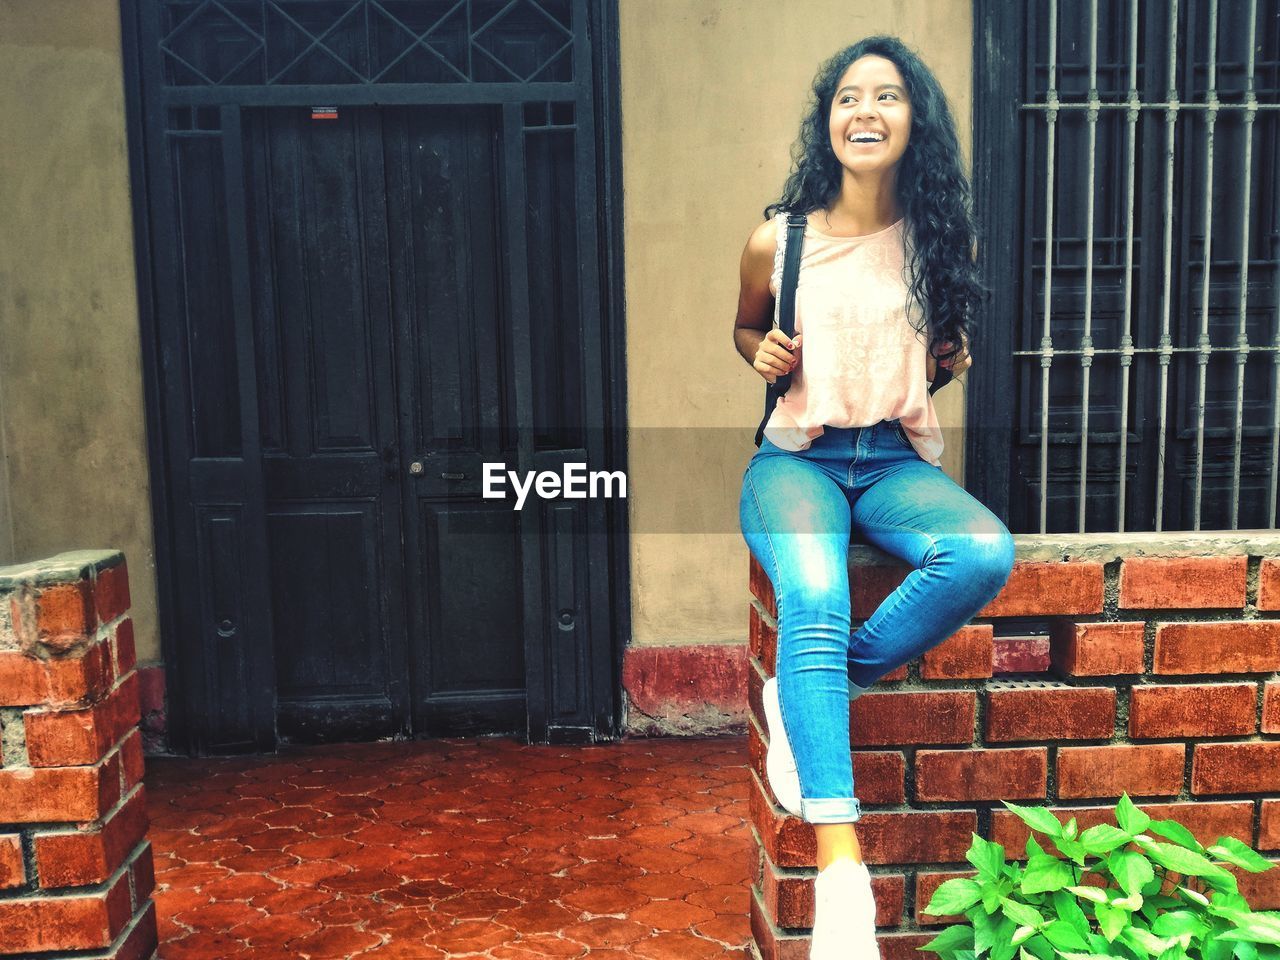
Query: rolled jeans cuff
column 830, row 810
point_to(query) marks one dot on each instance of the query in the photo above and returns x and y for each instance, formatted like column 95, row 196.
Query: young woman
column 887, row 289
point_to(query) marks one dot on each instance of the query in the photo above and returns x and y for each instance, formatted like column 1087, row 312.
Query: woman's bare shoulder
column 757, row 256
column 764, row 238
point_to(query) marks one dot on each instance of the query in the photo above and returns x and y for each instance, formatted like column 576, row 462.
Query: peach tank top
column 861, row 360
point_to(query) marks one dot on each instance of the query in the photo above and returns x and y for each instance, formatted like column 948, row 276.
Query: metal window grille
column 1148, row 349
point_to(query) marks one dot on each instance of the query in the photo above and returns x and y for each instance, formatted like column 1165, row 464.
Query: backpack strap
column 941, row 377
column 791, row 274
column 786, row 320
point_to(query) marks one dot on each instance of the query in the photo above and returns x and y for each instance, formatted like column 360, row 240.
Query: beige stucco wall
column 74, row 448
column 712, row 94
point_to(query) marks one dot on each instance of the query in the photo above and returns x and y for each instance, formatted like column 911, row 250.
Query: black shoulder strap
column 791, row 274
column 786, row 309
column 941, row 377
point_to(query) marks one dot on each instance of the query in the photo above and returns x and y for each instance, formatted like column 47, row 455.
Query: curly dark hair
column 932, row 187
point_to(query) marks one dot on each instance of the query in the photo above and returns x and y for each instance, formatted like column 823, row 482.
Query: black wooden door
column 372, row 250
column 326, row 368
column 458, row 410
column 384, row 346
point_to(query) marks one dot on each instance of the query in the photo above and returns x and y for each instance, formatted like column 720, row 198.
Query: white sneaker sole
column 779, row 762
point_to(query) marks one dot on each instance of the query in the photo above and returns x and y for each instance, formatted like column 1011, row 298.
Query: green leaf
column 987, row 857
column 1096, row 894
column 1131, row 819
column 1072, row 955
column 1229, row 904
column 956, row 937
column 1103, row 838
column 954, row 896
column 1181, row 860
column 1046, row 873
column 984, row 930
column 1069, row 910
column 1233, row 851
column 1072, row 849
column 1144, row 941
column 1040, row 948
column 1002, row 947
column 1098, row 943
column 1175, row 922
column 1070, row 830
column 992, row 893
column 1021, row 913
column 1256, row 928
column 1173, row 830
column 1224, row 883
column 1128, row 904
column 1246, row 951
column 1244, row 935
column 1064, row 936
column 1196, row 896
column 1110, row 920
column 1021, row 934
column 1131, row 870
column 1214, row 949
column 1037, row 818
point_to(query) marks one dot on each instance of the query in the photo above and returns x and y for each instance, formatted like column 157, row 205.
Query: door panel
column 442, row 172
column 473, row 610
column 463, row 553
column 327, row 380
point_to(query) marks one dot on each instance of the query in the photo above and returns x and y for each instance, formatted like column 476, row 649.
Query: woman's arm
column 759, row 343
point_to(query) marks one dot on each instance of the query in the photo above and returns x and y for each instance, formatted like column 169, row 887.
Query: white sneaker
column 779, row 762
column 844, row 920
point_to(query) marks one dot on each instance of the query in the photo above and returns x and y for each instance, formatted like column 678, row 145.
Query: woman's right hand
column 777, row 355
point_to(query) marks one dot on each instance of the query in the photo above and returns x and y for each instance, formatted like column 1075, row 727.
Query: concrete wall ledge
column 63, row 567
column 1104, row 547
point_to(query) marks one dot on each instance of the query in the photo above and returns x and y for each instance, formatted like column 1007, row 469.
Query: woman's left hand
column 957, row 364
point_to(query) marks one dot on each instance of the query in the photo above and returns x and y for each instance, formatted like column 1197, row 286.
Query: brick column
column 75, row 865
column 1128, row 671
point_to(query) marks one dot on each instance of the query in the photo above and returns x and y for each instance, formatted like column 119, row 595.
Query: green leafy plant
column 1155, row 893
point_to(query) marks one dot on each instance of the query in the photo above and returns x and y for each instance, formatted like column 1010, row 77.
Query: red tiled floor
column 480, row 848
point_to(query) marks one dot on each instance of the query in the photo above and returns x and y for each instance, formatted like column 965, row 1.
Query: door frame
column 602, row 33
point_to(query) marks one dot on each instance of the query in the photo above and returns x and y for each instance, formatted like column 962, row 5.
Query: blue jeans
column 798, row 510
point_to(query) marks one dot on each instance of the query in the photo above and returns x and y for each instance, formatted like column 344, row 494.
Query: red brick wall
column 1152, row 675
column 75, row 864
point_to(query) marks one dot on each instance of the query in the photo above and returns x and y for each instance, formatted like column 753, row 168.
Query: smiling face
column 870, row 121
